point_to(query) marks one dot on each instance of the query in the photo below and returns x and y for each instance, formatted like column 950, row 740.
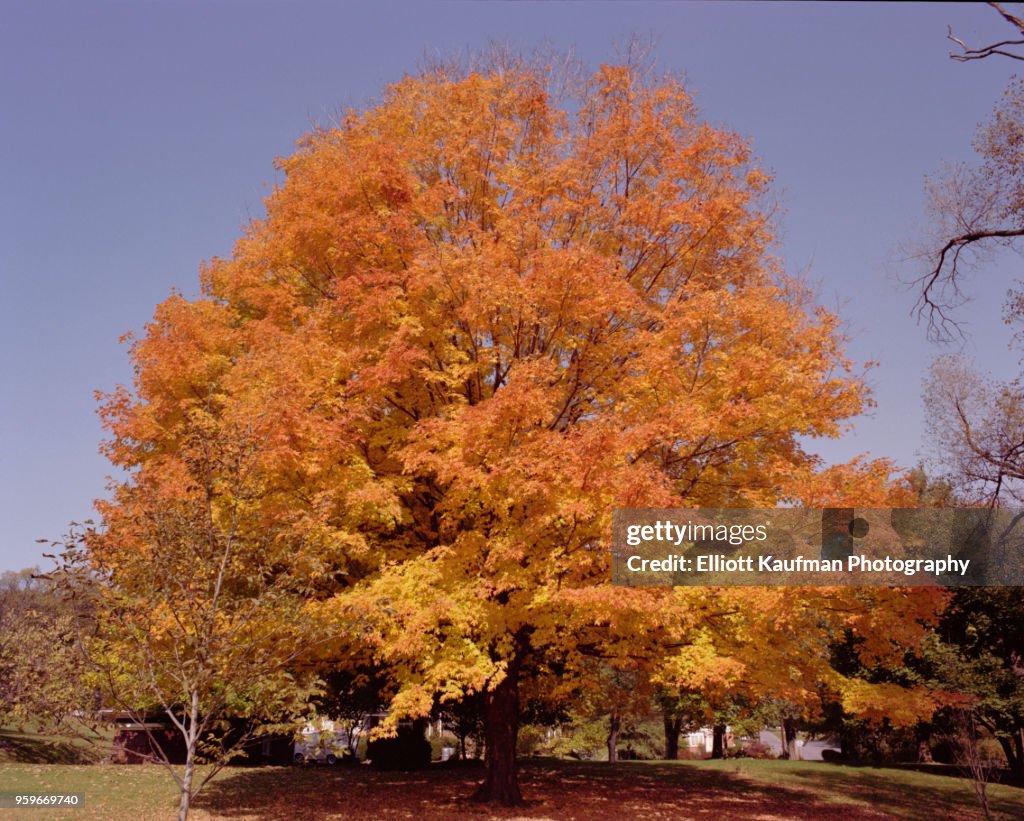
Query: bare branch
column 984, row 51
column 946, row 273
column 967, row 53
column 1011, row 19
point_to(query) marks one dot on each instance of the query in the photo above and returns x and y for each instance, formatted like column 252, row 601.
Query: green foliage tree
column 349, row 696
column 978, row 652
column 41, row 667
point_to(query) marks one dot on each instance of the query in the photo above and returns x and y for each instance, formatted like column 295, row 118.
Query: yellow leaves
column 900, row 706
column 698, row 666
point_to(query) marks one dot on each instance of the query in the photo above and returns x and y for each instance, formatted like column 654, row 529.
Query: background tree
column 349, row 696
column 975, row 210
column 681, row 712
column 41, row 668
column 618, row 692
column 978, row 652
column 972, row 758
column 976, row 427
column 464, row 720
column 878, row 739
column 975, row 422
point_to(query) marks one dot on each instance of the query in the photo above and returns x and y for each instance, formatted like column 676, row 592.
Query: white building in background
column 807, row 750
column 704, row 739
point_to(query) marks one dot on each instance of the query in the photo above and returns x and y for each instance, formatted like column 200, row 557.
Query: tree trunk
column 1013, row 746
column 673, row 727
column 613, row 737
column 718, row 742
column 789, row 746
column 191, row 739
column 186, row 785
column 1013, row 761
column 1016, row 764
column 924, row 751
column 501, row 728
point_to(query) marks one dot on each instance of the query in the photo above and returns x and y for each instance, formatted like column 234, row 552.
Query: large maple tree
column 476, row 318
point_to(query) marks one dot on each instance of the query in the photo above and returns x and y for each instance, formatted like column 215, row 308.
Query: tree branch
column 946, row 273
column 982, row 52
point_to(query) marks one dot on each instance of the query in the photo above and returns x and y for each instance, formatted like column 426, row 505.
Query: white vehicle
column 320, row 743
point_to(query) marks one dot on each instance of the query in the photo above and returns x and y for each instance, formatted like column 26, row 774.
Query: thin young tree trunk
column 501, row 728
column 191, row 738
column 186, row 786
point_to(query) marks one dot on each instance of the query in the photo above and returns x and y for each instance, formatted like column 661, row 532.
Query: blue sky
column 138, row 139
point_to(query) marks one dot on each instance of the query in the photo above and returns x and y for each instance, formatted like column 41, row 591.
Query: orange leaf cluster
column 474, row 321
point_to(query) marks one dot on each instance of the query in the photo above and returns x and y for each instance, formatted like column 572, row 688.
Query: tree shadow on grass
column 925, row 801
column 27, row 749
column 554, row 790
column 647, row 789
column 281, row 793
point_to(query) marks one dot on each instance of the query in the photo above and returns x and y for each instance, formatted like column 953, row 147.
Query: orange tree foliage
column 483, row 317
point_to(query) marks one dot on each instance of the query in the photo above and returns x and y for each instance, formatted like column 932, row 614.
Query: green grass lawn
column 737, row 788
column 897, row 792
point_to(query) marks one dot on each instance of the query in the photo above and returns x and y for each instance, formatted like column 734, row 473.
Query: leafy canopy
column 476, row 318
